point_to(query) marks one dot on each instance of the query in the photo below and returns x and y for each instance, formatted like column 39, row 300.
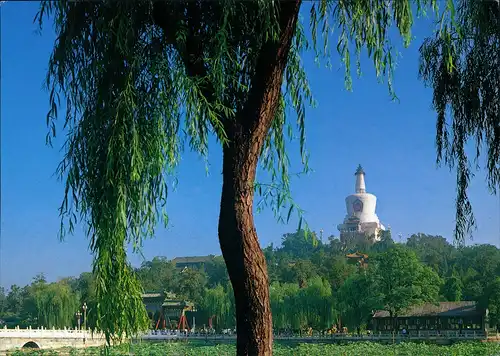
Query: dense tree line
column 312, row 283
column 156, row 77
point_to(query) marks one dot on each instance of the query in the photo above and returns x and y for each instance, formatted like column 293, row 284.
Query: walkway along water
column 447, row 337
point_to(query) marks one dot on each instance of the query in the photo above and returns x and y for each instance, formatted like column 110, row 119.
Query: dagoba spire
column 360, row 180
column 361, row 220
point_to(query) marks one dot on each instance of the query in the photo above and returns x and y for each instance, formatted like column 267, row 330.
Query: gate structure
column 165, row 310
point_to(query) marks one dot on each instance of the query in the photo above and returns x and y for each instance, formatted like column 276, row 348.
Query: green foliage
column 491, row 300
column 366, row 25
column 3, row 300
column 336, row 290
column 127, row 84
column 317, row 304
column 56, row 304
column 191, row 284
column 219, row 302
column 297, row 308
column 158, row 274
column 452, row 288
column 460, row 64
column 357, row 300
column 401, row 280
column 384, row 244
column 85, row 286
column 43, row 304
column 139, row 79
column 434, row 251
column 357, row 348
column 476, row 264
column 299, row 245
column 216, row 272
column 282, row 304
column 299, row 272
column 14, row 299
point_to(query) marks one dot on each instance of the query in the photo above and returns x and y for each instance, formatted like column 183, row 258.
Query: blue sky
column 393, row 141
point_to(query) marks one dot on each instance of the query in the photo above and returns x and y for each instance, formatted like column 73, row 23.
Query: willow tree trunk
column 239, row 243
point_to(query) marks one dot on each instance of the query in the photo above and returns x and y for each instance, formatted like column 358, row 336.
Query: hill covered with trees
column 312, row 283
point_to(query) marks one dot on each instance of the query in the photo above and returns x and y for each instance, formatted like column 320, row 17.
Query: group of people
column 337, row 330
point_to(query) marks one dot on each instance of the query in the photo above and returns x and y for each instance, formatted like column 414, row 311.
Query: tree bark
column 238, row 239
column 240, row 247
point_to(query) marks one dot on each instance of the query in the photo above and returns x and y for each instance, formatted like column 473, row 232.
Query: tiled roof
column 177, row 303
column 452, row 309
column 152, row 295
column 357, row 255
column 164, row 295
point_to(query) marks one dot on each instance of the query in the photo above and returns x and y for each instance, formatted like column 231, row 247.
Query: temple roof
column 356, row 255
column 158, row 295
column 169, row 303
column 450, row 309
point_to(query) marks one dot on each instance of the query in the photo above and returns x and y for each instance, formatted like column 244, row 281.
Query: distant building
column 444, row 316
column 360, row 259
column 165, row 308
column 361, row 221
column 153, row 301
column 191, row 262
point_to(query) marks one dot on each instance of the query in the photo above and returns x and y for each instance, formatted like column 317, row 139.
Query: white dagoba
column 361, row 219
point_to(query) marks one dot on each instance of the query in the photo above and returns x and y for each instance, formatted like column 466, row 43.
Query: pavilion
column 443, row 316
column 165, row 308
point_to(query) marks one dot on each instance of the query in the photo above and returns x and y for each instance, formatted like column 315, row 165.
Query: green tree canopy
column 191, row 284
column 491, row 300
column 141, row 78
column 435, row 251
column 354, row 293
column 299, row 244
column 401, row 280
column 297, row 308
column 15, row 299
column 452, row 288
column 357, row 299
column 216, row 271
column 157, row 275
column 51, row 305
column 219, row 302
column 299, row 271
column 3, row 300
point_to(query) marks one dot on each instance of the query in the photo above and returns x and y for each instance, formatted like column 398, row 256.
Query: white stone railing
column 422, row 335
column 49, row 333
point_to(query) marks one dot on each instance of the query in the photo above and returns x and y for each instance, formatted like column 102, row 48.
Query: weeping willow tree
column 219, row 303
column 143, row 79
column 86, row 287
column 56, row 304
column 462, row 65
column 318, row 304
column 297, row 308
column 283, row 299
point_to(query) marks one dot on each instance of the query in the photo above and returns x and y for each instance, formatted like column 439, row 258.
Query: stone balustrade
column 43, row 338
column 49, row 333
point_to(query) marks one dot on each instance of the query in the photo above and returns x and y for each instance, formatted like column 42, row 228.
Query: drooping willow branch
column 140, row 80
column 462, row 65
